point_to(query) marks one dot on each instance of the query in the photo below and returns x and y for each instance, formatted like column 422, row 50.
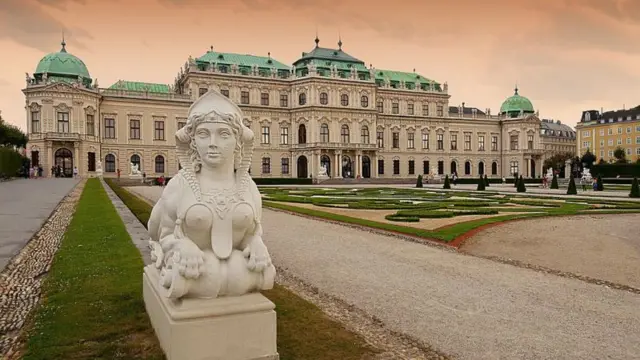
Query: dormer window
column 221, row 57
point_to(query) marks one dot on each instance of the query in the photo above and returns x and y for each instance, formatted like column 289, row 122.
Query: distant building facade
column 603, row 132
column 328, row 108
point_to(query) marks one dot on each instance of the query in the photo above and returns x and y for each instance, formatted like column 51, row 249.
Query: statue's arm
column 162, row 221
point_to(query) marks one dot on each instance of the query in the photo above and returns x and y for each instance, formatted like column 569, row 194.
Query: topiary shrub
column 521, row 187
column 419, row 182
column 571, row 190
column 635, row 189
column 481, row 184
column 447, row 183
column 486, row 180
column 554, row 182
column 600, row 186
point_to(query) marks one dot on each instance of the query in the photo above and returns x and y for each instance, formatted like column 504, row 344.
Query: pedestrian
column 75, row 172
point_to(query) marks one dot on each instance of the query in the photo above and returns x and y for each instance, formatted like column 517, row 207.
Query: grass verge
column 304, row 331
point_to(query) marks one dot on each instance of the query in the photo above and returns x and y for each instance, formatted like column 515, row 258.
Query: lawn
column 435, row 215
column 304, row 331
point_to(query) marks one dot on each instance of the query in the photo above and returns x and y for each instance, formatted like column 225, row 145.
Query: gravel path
column 603, row 247
column 468, row 307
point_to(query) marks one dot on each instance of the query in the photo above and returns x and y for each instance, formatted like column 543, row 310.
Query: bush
column 447, row 183
column 11, row 162
column 613, row 170
column 571, row 190
column 283, row 181
column 600, row 186
column 486, row 180
column 521, row 187
column 419, row 182
column 481, row 184
column 635, row 189
column 554, row 181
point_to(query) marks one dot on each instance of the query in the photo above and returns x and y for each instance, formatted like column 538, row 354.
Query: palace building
column 327, row 109
column 603, row 132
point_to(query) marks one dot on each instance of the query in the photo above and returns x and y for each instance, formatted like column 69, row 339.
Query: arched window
column 302, row 134
column 454, row 167
column 159, row 164
column 302, row 98
column 467, row 168
column 344, row 100
column 344, row 133
column 324, row 133
column 110, row 163
column 494, row 168
column 364, row 134
column 324, row 98
column 481, row 168
column 364, row 101
column 135, row 159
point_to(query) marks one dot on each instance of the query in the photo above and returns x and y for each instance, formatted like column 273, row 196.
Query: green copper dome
column 515, row 104
column 62, row 63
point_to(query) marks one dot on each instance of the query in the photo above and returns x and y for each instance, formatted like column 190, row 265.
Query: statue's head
column 214, row 135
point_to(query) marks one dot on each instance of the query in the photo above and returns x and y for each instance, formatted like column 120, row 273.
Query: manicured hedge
column 474, row 181
column 10, row 162
column 613, row 170
column 283, row 181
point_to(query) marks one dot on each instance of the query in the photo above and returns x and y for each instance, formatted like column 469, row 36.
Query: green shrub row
column 11, row 162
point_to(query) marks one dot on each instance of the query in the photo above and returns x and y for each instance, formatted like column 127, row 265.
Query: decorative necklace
column 221, row 200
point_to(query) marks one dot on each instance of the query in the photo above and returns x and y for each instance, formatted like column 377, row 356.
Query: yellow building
column 603, row 132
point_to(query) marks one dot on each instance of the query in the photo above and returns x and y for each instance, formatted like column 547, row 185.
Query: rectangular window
column 284, row 164
column 628, row 129
column 412, row 167
column 202, row 91
column 284, row 100
column 134, row 129
column 266, row 165
column 425, row 142
column 244, row 97
column 284, row 135
column 425, row 166
column 380, row 167
column 513, row 167
column 425, row 109
column 601, row 132
column 530, row 142
column 109, row 128
column 481, row 142
column 35, row 122
column 264, row 99
column 454, row 142
column 63, row 122
column 637, row 139
column 396, row 167
column 514, row 142
column 619, row 130
column 410, row 109
column 266, row 139
column 440, row 141
column 628, row 140
column 440, row 167
column 91, row 161
column 158, row 130
column 610, row 142
column 225, row 92
column 91, row 125
column 467, row 141
column 601, row 154
column 396, row 140
column 494, row 143
column 181, row 124
column 440, row 110
column 410, row 140
column 601, row 142
column 619, row 141
column 380, row 139
column 609, row 131
column 380, row 106
column 395, row 108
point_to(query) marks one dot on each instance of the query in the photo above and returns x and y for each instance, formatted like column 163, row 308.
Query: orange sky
column 565, row 55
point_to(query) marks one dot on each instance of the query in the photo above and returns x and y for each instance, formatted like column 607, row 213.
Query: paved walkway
column 468, row 307
column 25, row 204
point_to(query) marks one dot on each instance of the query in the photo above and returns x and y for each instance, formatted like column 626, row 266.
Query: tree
column 571, row 190
column 620, row 155
column 554, row 181
column 588, row 159
column 557, row 161
column 447, row 184
column 481, row 184
column 521, row 187
column 635, row 188
column 12, row 136
column 419, row 182
column 486, row 180
column 600, row 186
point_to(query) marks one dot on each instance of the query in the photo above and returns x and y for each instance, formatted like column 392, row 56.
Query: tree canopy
column 11, row 135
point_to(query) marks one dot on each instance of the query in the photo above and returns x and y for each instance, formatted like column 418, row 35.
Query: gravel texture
column 603, row 247
column 465, row 306
column 21, row 279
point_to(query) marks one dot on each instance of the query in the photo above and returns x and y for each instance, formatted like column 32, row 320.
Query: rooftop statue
column 206, row 230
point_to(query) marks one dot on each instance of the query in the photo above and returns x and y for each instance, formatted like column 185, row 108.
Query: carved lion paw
column 258, row 255
column 189, row 260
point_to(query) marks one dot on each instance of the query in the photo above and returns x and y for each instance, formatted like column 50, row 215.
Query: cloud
column 28, row 23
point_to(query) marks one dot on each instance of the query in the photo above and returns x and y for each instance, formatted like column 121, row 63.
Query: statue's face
column 215, row 143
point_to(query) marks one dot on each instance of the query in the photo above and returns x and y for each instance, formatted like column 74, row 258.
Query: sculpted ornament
column 206, row 231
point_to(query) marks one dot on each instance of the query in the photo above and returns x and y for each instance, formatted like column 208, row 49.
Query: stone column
column 76, row 157
column 317, row 156
column 374, row 166
column 49, row 146
column 294, row 166
column 356, row 168
column 339, row 164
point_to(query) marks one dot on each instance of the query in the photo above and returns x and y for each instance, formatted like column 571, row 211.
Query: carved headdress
column 214, row 107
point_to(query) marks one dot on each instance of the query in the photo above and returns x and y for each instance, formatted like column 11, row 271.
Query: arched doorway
column 533, row 168
column 303, row 169
column 454, row 167
column 326, row 162
column 347, row 167
column 481, row 168
column 366, row 167
column 494, row 168
column 64, row 159
column 302, row 134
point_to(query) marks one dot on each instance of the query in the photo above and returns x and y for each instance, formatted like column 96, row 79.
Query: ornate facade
column 327, row 109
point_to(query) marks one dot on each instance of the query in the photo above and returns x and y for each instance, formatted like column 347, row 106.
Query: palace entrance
column 303, row 168
column 64, row 159
column 366, row 166
column 326, row 162
column 347, row 167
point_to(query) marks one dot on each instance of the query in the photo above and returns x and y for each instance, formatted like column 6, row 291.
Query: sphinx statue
column 206, row 230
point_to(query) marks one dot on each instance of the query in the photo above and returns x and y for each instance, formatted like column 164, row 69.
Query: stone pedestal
column 229, row 328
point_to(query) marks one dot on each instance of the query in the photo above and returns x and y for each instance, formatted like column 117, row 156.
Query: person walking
column 75, row 172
